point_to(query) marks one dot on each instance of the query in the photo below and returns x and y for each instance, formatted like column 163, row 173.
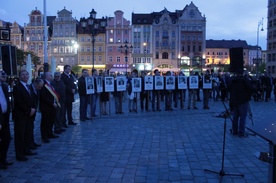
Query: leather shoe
column 72, row 123
column 22, row 158
column 5, row 162
column 30, row 153
column 36, row 145
column 65, row 126
column 45, row 140
column 87, row 118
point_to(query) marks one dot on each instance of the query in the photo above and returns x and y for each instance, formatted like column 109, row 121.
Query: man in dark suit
column 34, row 88
column 68, row 80
column 49, row 101
column 82, row 95
column 4, row 123
column 24, row 110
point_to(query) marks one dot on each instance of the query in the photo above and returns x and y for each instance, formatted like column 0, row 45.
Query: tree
column 76, row 69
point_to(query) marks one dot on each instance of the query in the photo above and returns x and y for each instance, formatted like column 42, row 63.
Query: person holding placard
column 192, row 85
column 206, row 90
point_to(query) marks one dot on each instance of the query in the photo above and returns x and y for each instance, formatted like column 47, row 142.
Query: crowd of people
column 54, row 95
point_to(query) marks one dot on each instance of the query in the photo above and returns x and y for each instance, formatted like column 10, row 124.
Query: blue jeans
column 83, row 106
column 239, row 118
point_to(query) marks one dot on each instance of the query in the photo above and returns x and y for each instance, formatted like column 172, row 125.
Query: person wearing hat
column 240, row 89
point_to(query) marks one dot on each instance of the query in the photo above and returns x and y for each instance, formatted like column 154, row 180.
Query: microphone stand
column 222, row 172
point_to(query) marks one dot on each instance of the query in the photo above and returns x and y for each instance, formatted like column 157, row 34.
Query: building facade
column 33, row 37
column 271, row 38
column 118, row 33
column 174, row 40
column 92, row 41
column 63, row 44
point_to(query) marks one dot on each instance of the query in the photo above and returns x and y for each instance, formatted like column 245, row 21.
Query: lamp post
column 260, row 23
column 145, row 50
column 96, row 26
column 126, row 49
column 46, row 65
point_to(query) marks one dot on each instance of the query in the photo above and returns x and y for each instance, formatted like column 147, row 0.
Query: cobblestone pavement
column 167, row 146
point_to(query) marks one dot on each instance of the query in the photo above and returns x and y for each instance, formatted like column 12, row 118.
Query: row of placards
column 151, row 83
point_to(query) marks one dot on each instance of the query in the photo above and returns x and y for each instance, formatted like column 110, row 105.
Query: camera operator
column 240, row 89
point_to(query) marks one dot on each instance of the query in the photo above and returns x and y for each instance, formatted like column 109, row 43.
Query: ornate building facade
column 174, row 39
column 33, row 37
column 64, row 39
column 118, row 32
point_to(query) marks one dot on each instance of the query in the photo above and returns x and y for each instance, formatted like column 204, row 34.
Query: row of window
column 89, row 59
column 88, row 39
column 271, row 57
column 89, row 49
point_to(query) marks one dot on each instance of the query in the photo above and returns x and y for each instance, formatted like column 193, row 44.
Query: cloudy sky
column 226, row 19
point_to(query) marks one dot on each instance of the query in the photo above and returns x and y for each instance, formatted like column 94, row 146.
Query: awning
column 116, row 69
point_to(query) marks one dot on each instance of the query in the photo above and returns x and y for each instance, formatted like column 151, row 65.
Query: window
column 165, row 55
column 118, row 59
column 157, row 34
column 157, row 55
column 110, row 59
column 111, row 40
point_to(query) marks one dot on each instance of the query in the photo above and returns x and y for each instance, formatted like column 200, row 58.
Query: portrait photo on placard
column 207, row 83
column 121, row 83
column 89, row 85
column 148, row 82
column 99, row 84
column 193, row 82
column 182, row 82
column 170, row 82
column 109, row 84
column 136, row 84
column 158, row 83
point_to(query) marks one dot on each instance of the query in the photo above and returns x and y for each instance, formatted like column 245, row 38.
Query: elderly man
column 59, row 87
column 4, row 123
column 49, row 101
column 34, row 88
column 23, row 112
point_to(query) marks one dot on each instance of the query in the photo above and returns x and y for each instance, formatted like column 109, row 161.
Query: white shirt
column 3, row 101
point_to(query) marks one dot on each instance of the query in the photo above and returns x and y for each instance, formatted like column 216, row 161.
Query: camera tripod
column 222, row 172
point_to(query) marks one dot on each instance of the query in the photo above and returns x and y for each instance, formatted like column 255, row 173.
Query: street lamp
column 126, row 49
column 145, row 50
column 260, row 23
column 96, row 26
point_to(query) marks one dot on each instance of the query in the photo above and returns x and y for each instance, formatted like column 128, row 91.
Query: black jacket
column 240, row 89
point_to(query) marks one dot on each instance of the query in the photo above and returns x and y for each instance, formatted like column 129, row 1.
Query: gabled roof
column 226, row 43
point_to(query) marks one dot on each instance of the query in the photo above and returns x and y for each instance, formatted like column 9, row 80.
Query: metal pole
column 93, row 51
column 46, row 65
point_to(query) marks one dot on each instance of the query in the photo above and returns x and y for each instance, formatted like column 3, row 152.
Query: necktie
column 28, row 88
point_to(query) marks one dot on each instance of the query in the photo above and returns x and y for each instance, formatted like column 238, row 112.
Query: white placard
column 89, row 83
column 99, row 84
column 136, row 84
column 170, row 82
column 109, row 84
column 182, row 82
column 207, row 82
column 148, row 82
column 193, row 82
column 158, row 83
column 121, row 83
